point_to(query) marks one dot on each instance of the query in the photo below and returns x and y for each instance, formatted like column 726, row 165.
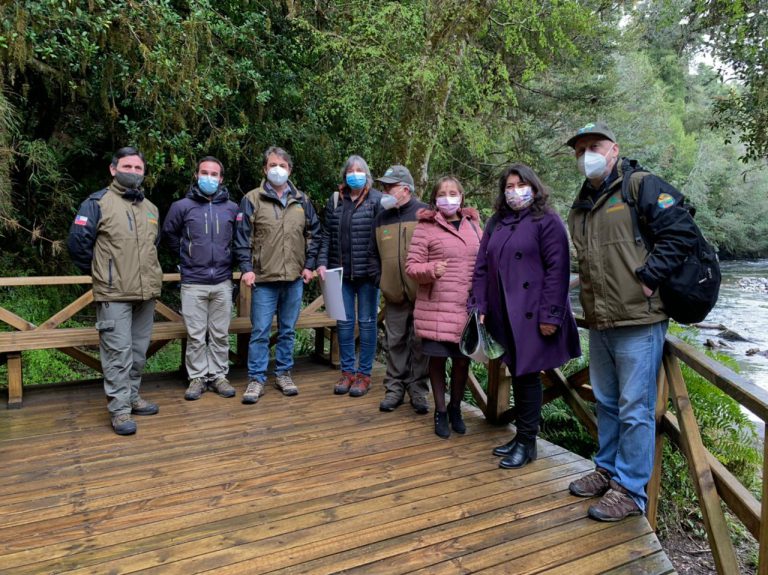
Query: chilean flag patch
column 239, row 217
column 81, row 221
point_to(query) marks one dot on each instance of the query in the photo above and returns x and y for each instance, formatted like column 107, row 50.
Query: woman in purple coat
column 520, row 288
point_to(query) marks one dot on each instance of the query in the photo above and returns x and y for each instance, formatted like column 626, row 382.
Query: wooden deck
column 311, row 484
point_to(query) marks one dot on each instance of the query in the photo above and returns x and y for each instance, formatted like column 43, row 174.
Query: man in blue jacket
column 200, row 228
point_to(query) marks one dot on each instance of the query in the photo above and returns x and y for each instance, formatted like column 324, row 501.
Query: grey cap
column 397, row 174
column 592, row 129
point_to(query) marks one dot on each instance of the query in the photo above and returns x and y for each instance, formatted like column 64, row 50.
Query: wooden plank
column 168, row 313
column 574, row 401
column 498, row 391
column 654, row 484
column 478, row 393
column 63, row 315
column 762, row 537
column 14, row 380
column 15, row 321
column 701, row 474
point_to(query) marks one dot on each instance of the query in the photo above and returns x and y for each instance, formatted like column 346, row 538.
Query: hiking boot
column 195, row 390
column 123, row 424
column 420, row 405
column 361, row 385
column 284, row 383
column 345, row 382
column 222, row 386
column 390, row 402
column 254, row 391
column 143, row 407
column 615, row 505
column 457, row 422
column 593, row 484
column 441, row 424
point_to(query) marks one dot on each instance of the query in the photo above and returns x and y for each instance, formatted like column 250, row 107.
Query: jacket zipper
column 210, row 264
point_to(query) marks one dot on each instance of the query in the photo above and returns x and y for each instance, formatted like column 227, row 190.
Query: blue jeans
column 623, row 365
column 367, row 309
column 283, row 298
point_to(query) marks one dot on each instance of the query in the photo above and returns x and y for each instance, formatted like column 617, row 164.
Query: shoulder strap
column 629, row 167
column 471, row 223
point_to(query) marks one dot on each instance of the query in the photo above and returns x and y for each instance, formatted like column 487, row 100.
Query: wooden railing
column 714, row 484
column 25, row 335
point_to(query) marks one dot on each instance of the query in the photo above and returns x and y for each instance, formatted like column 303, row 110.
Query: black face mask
column 129, row 180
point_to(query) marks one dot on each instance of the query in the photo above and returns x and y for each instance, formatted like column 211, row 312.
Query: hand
column 482, row 318
column 307, row 275
column 440, row 268
column 248, row 278
column 646, row 290
column 321, row 272
column 547, row 329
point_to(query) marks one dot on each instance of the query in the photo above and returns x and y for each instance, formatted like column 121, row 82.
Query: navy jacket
column 201, row 230
column 347, row 234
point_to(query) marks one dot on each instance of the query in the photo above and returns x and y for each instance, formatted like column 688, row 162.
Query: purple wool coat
column 520, row 281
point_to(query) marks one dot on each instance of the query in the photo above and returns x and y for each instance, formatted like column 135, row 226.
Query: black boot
column 457, row 423
column 441, row 424
column 521, row 455
column 506, row 449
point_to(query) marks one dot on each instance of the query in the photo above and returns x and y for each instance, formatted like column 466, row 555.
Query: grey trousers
column 125, row 328
column 207, row 311
column 407, row 366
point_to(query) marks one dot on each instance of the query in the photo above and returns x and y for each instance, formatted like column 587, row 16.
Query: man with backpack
column 620, row 277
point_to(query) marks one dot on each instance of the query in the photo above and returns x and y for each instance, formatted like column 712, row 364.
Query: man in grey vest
column 114, row 239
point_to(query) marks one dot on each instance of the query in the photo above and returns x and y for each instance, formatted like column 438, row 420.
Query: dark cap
column 397, row 174
column 596, row 128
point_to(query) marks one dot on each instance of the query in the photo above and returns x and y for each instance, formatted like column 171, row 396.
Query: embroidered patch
column 665, row 201
column 151, row 218
column 617, row 208
column 81, row 221
column 239, row 217
column 613, row 200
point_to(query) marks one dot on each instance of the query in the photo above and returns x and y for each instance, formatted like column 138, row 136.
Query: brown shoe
column 361, row 386
column 345, row 382
column 593, row 484
column 615, row 505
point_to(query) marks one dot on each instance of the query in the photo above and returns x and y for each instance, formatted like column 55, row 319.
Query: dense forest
column 443, row 86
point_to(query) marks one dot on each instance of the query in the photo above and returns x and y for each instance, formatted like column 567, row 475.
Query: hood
column 221, row 195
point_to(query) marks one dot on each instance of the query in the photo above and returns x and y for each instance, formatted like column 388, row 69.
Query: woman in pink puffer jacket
column 441, row 259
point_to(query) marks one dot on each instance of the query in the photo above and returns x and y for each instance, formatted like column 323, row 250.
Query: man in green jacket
column 407, row 366
column 114, row 238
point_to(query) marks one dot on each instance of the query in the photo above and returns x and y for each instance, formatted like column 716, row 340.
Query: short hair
column 127, row 151
column 527, row 175
column 280, row 152
column 440, row 182
column 355, row 160
column 210, row 159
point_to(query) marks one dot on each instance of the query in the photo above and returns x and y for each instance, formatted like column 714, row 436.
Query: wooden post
column 14, row 380
column 243, row 310
column 762, row 557
column 498, row 391
column 654, row 485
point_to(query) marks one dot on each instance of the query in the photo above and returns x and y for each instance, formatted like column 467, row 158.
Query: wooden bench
column 67, row 340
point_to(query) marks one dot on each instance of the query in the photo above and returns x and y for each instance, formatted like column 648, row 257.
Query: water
column 746, row 313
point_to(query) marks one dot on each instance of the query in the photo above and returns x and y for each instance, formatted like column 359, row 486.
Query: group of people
column 434, row 264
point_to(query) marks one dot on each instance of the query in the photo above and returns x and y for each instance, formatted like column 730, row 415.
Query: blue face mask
column 356, row 180
column 208, row 184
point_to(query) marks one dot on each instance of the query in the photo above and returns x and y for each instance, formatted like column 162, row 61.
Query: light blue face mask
column 208, row 184
column 356, row 180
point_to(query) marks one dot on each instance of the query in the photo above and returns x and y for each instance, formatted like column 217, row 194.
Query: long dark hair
column 436, row 188
column 540, row 193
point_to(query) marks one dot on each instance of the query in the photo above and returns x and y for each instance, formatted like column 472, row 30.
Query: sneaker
column 390, row 402
column 195, row 390
column 284, row 383
column 615, row 505
column 361, row 385
column 143, row 407
column 123, row 424
column 254, row 391
column 593, row 484
column 420, row 405
column 345, row 382
column 222, row 386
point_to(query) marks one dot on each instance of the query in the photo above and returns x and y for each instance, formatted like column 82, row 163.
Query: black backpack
column 691, row 290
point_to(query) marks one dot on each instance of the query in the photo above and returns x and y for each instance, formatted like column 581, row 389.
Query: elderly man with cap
column 407, row 366
column 627, row 323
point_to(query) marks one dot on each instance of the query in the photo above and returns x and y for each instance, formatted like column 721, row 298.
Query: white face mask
column 277, row 175
column 388, row 202
column 592, row 164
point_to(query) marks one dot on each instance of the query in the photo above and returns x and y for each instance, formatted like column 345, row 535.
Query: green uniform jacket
column 114, row 238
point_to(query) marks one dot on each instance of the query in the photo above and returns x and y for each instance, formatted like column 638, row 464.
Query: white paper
column 331, row 287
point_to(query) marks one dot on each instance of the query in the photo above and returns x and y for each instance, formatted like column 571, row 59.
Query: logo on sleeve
column 151, row 218
column 665, row 201
column 239, row 217
column 81, row 220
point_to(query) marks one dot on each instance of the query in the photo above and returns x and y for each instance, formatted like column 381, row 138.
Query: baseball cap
column 593, row 128
column 396, row 174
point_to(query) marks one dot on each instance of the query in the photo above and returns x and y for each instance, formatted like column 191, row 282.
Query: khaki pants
column 207, row 311
column 407, row 366
column 125, row 329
